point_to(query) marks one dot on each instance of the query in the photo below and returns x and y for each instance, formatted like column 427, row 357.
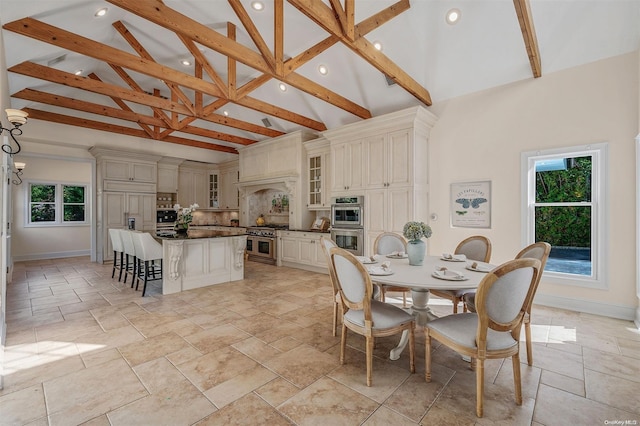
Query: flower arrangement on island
column 414, row 231
column 185, row 216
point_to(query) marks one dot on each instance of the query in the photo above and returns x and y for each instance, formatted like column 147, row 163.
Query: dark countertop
column 195, row 234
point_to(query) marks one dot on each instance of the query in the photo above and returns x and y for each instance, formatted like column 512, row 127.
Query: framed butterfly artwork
column 471, row 204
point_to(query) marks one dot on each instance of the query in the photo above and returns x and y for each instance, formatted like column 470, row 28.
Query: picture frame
column 470, row 204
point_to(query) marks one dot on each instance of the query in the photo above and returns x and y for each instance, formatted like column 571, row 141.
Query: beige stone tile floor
column 82, row 348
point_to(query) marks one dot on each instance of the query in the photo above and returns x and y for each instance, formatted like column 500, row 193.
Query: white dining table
column 420, row 280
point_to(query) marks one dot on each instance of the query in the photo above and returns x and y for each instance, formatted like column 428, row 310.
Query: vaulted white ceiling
column 483, row 50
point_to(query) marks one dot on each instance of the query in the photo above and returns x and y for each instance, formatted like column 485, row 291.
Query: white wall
column 481, row 137
column 49, row 242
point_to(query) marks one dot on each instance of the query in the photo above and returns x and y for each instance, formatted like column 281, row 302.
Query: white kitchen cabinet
column 193, row 186
column 118, row 207
column 318, row 154
column 347, row 168
column 213, row 190
column 229, row 197
column 126, row 170
column 168, row 178
column 395, row 179
column 301, row 250
column 388, row 158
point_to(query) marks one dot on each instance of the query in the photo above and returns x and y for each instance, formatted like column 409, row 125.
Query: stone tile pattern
column 83, row 348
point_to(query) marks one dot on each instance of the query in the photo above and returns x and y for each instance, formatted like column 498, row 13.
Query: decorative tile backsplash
column 273, row 204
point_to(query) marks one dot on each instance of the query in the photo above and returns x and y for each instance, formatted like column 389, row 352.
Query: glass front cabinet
column 317, row 163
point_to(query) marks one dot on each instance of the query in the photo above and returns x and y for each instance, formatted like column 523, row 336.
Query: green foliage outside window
column 43, row 203
column 565, row 226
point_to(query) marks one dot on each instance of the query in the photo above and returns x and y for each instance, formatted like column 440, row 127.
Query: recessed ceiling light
column 78, row 72
column 185, row 62
column 101, row 12
column 282, row 87
column 322, row 69
column 257, row 5
column 377, row 45
column 453, row 16
column 226, row 113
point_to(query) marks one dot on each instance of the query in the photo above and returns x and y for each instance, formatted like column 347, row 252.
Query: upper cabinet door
column 129, row 171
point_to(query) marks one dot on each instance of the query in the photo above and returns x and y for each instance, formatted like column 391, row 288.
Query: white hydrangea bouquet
column 185, row 215
column 414, row 231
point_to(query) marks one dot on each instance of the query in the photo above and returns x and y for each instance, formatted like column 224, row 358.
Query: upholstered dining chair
column 118, row 252
column 540, row 251
column 502, row 301
column 327, row 245
column 149, row 255
column 364, row 315
column 477, row 247
column 387, row 243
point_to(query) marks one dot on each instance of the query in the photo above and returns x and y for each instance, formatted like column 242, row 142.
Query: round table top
column 421, row 278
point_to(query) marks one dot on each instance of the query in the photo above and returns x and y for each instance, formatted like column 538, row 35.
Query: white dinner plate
column 482, row 267
column 453, row 259
column 379, row 271
column 366, row 260
column 449, row 275
column 397, row 256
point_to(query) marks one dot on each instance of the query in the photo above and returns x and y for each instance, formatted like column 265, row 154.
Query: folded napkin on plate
column 447, row 273
column 367, row 259
column 382, row 269
column 454, row 256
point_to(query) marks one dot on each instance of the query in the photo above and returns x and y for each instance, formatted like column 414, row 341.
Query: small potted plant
column 185, row 217
column 416, row 248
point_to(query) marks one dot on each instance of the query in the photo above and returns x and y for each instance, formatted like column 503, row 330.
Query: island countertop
column 195, row 234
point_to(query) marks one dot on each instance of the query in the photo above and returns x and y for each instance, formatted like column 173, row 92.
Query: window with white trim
column 57, row 204
column 564, row 204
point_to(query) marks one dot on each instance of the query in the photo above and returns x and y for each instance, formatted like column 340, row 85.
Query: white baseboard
column 310, row 268
column 52, row 255
column 637, row 320
column 629, row 313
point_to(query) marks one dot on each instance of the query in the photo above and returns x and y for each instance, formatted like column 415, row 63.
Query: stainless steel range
column 261, row 243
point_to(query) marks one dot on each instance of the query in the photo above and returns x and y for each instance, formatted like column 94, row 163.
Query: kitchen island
column 202, row 258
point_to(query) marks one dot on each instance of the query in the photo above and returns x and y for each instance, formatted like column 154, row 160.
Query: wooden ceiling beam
column 67, row 79
column 378, row 19
column 259, row 105
column 205, row 64
column 297, row 61
column 253, row 32
column 232, row 65
column 160, row 14
column 340, row 15
column 140, row 50
column 90, row 107
column 322, row 15
column 37, row 30
column 112, row 128
column 525, row 18
column 278, row 35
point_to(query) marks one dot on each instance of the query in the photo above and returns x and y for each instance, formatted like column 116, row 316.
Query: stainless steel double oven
column 347, row 223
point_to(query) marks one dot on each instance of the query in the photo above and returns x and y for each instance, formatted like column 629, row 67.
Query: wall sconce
column 17, row 118
column 19, row 167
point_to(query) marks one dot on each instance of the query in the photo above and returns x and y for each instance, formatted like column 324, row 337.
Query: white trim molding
column 586, row 306
column 637, row 314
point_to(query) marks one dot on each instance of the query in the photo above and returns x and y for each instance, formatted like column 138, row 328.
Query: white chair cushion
column 384, row 316
column 462, row 329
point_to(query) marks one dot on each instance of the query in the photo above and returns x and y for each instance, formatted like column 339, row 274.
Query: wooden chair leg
column 115, row 261
column 369, row 344
column 427, row 357
column 382, row 293
column 527, row 332
column 122, row 266
column 455, row 306
column 404, row 299
column 335, row 316
column 146, row 277
column 517, row 380
column 343, row 342
column 412, row 350
column 479, row 386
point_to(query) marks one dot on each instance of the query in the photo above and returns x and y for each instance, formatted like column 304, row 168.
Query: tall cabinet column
column 126, row 188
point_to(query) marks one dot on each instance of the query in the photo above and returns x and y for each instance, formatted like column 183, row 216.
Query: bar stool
column 129, row 255
column 118, row 252
column 148, row 251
